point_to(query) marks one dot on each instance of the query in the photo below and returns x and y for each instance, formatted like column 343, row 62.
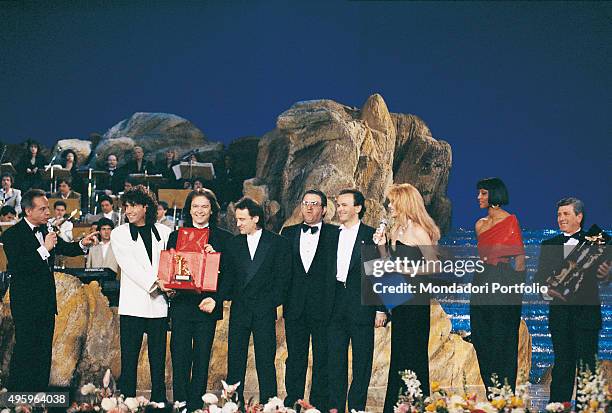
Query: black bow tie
column 37, row 229
column 568, row 237
column 306, row 228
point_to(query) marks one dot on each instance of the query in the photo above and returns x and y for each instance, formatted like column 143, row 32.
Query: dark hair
column 9, row 175
column 66, row 152
column 31, row 142
column 68, row 182
column 140, row 195
column 320, row 194
column 105, row 221
column 358, row 200
column 214, row 207
column 111, row 154
column 103, row 198
column 577, row 204
column 7, row 209
column 255, row 210
column 27, row 200
column 163, row 204
column 59, row 203
column 498, row 193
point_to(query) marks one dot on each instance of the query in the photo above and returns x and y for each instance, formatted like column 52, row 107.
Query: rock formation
column 80, row 146
column 155, row 132
column 326, row 145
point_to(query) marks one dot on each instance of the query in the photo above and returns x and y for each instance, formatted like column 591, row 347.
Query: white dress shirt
column 308, row 245
column 253, row 242
column 42, row 250
column 570, row 244
column 346, row 242
column 104, row 246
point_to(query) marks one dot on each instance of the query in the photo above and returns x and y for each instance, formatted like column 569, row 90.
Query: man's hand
column 603, row 272
column 555, row 294
column 207, row 305
column 50, row 241
column 209, row 249
column 161, row 286
column 90, row 239
column 381, row 319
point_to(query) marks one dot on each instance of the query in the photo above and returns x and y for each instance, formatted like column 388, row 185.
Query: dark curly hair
column 65, row 155
column 214, row 207
column 140, row 195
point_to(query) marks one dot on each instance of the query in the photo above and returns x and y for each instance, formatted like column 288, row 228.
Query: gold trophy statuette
column 182, row 273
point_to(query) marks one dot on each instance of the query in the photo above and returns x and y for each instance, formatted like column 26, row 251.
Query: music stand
column 175, row 198
column 148, row 179
column 53, row 173
column 8, row 168
column 190, row 170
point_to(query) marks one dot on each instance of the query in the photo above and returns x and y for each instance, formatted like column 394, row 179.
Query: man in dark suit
column 259, row 263
column 312, row 245
column 30, row 249
column 574, row 324
column 138, row 164
column 350, row 321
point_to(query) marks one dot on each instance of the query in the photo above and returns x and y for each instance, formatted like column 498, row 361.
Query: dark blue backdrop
column 520, row 90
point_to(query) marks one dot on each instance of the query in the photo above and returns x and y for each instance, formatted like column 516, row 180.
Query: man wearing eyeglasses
column 312, row 243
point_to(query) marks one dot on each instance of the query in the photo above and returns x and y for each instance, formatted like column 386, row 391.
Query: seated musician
column 101, row 255
column 65, row 190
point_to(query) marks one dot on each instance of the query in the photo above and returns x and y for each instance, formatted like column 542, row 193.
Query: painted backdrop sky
column 520, row 90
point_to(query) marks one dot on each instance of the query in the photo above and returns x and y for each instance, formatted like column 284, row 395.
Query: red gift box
column 192, row 239
column 189, row 267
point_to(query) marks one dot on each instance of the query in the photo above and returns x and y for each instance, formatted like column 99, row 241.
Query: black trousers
column 571, row 345
column 409, row 349
column 343, row 330
column 298, row 333
column 263, row 329
column 132, row 330
column 495, row 338
column 31, row 361
column 191, row 344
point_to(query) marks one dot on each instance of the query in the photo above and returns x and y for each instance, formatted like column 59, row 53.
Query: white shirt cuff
column 83, row 247
column 44, row 254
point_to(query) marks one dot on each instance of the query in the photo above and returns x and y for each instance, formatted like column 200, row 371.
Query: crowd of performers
column 311, row 270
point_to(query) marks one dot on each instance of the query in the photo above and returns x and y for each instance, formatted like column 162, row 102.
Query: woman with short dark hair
column 495, row 318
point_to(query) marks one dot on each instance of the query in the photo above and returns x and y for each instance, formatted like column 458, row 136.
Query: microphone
column 382, row 226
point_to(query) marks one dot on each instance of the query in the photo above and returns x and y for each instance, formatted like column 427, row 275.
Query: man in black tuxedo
column 258, row 263
column 574, row 324
column 30, row 249
column 312, row 245
column 350, row 321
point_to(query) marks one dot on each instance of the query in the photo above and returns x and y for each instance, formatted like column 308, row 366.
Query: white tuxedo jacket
column 138, row 274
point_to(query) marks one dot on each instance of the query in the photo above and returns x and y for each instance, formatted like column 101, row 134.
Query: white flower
column 5, row 411
column 485, row 407
column 88, row 388
column 274, row 404
column 213, row 408
column 107, row 378
column 313, row 410
column 131, row 403
column 230, row 407
column 554, row 407
column 108, row 403
column 210, row 398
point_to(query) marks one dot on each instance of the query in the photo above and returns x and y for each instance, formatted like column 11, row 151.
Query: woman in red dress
column 495, row 317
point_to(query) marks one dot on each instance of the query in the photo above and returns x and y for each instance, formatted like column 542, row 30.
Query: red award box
column 185, row 270
column 192, row 239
